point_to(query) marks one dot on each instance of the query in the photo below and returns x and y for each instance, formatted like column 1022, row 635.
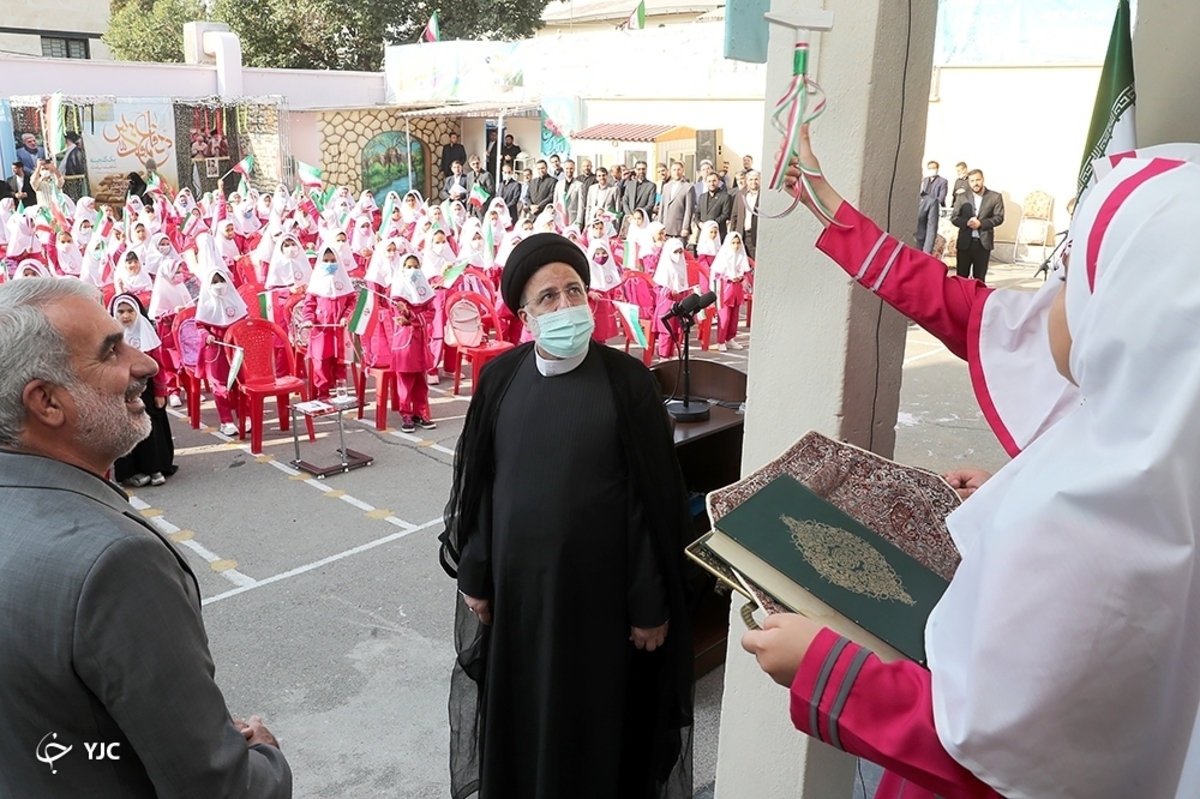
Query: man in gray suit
column 571, row 193
column 602, row 195
column 678, row 203
column 108, row 680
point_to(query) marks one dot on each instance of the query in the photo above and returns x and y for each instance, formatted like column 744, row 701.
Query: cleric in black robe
column 565, row 529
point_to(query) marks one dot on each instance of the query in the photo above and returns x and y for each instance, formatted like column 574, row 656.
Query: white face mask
column 438, row 247
column 219, row 288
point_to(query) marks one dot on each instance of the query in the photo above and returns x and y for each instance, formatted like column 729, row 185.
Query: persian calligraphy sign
column 124, row 137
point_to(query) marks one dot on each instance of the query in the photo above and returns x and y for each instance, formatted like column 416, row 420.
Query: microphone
column 690, row 305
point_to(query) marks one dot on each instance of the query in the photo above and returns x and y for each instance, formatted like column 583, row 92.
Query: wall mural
column 385, row 162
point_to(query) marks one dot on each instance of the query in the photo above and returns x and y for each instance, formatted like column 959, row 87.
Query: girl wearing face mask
column 437, row 259
column 362, row 245
column 328, row 304
column 169, row 296
column 386, row 261
column 707, row 247
column 605, row 287
column 730, row 270
column 153, row 459
column 412, row 300
column 132, row 279
column 218, row 307
column 68, row 257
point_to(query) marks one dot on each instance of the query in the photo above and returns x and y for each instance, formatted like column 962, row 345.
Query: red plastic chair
column 247, row 274
column 482, row 276
column 293, row 320
column 249, row 294
column 634, row 276
column 257, row 379
column 488, row 349
column 187, row 338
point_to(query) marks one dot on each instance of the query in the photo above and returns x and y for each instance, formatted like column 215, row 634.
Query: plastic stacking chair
column 249, row 295
column 469, row 331
column 257, row 379
column 187, row 338
column 704, row 326
column 386, row 388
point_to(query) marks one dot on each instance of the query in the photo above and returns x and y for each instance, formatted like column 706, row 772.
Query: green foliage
column 312, row 34
column 150, row 30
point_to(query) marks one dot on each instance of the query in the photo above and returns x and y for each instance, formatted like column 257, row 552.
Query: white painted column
column 827, row 355
column 1165, row 60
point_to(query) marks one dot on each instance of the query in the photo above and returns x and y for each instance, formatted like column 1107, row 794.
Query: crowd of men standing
column 682, row 206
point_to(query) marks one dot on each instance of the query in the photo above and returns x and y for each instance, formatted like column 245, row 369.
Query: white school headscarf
column 220, row 308
column 605, row 276
column 141, row 335
column 511, row 240
column 409, row 213
column 326, row 282
column 21, row 238
column 671, row 271
column 150, row 255
column 470, row 250
column 1065, row 654
column 227, row 247
column 70, row 259
column 411, row 285
column 729, row 263
column 285, row 272
column 29, row 264
column 362, row 237
column 169, row 292
column 708, row 244
column 434, row 263
column 383, row 266
column 133, row 283
column 208, row 257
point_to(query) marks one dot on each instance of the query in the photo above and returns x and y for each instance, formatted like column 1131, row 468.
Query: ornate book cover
column 901, row 508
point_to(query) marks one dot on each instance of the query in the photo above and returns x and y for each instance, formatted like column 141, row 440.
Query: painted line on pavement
column 223, row 566
column 940, row 349
column 323, row 561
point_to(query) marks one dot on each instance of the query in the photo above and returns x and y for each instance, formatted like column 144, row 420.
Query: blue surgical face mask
column 564, row 333
column 329, row 268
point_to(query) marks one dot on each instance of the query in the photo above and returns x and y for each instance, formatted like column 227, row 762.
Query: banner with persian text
column 129, row 136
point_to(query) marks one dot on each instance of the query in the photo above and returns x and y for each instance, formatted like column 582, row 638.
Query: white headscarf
column 708, row 244
column 1065, row 654
column 20, row 236
column 150, row 254
column 329, row 283
column 7, row 205
column 133, row 283
column 468, row 249
column 70, row 259
column 95, row 261
column 511, row 240
column 245, row 217
column 27, row 264
column 410, row 214
column 169, row 292
column 728, row 263
column 222, row 308
column 383, row 265
column 605, row 276
column 411, row 285
column 285, row 272
column 141, row 335
column 434, row 263
column 671, row 271
column 362, row 237
column 208, row 258
column 227, row 247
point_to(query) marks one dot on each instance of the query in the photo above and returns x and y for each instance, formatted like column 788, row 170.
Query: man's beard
column 105, row 425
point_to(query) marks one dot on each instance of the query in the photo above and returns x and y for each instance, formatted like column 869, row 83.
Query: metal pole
column 499, row 157
column 408, row 155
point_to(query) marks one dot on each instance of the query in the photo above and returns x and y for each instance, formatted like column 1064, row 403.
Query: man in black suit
column 977, row 215
column 458, row 185
column 541, row 189
column 510, row 190
column 962, row 186
column 933, row 198
column 715, row 204
column 453, row 152
column 638, row 192
column 744, row 218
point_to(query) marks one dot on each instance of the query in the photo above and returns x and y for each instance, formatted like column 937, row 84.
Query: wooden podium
column 710, row 456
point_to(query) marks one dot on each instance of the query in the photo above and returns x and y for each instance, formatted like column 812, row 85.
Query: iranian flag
column 432, row 32
column 308, row 175
column 632, row 316
column 452, row 273
column 362, row 320
column 478, row 196
column 236, row 358
column 266, row 308
column 244, row 166
column 42, row 222
column 637, row 20
column 1112, row 129
column 489, row 244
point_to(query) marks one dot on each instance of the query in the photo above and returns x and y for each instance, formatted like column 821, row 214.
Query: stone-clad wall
column 344, row 134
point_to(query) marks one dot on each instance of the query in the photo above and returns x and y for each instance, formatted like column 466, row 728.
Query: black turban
column 531, row 255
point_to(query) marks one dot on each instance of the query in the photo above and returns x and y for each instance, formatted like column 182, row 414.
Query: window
column 54, row 47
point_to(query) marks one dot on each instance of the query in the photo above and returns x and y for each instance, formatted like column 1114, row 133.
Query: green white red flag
column 362, row 320
column 1112, row 129
column 244, row 166
column 632, row 315
column 433, row 31
column 308, row 175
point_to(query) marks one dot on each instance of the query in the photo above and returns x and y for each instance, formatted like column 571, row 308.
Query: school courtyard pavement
column 327, row 611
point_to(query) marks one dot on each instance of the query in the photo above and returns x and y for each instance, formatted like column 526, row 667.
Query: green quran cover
column 793, row 543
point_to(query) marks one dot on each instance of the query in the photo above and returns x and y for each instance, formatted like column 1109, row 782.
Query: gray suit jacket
column 677, row 207
column 102, row 642
column 572, row 198
column 607, row 198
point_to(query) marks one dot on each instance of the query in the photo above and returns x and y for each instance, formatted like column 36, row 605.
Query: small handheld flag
column 362, row 320
column 432, row 32
column 632, row 316
column 308, row 175
column 637, row 20
column 478, row 197
column 235, row 366
column 244, row 166
column 266, row 307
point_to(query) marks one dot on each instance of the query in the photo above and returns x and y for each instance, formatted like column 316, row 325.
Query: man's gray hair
column 753, row 173
column 31, row 348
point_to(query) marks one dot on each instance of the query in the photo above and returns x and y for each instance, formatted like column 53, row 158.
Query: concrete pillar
column 827, row 355
column 1165, row 62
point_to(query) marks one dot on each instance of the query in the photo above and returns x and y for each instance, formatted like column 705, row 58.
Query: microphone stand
column 686, row 410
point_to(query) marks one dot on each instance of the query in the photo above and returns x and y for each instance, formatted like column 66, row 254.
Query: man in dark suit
column 457, row 185
column 638, row 192
column 453, row 152
column 962, row 186
column 744, row 218
column 977, row 216
column 933, row 198
column 103, row 642
column 541, row 189
column 715, row 204
column 510, row 190
column 678, row 207
column 478, row 177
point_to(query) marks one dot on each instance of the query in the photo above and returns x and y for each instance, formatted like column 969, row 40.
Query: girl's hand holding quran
column 781, row 644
